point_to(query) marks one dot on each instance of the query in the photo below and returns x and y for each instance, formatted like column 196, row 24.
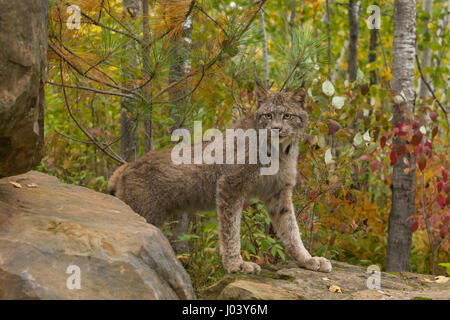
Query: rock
column 47, row 226
column 288, row 282
column 23, row 56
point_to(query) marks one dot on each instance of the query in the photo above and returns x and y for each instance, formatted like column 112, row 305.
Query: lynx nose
column 276, row 126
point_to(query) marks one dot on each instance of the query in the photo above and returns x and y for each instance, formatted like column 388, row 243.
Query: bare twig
column 429, row 88
column 92, row 90
column 84, row 130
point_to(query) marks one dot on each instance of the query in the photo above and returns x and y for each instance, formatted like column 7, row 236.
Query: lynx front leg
column 229, row 209
column 281, row 211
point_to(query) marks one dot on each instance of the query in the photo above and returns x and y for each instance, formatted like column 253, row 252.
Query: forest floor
column 345, row 282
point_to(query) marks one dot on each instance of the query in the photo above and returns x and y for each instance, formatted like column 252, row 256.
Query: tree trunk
column 180, row 65
column 426, row 55
column 353, row 19
column 146, row 76
column 262, row 26
column 128, row 127
column 292, row 18
column 373, row 54
column 403, row 184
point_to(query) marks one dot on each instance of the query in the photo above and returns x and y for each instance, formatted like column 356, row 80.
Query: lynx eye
column 287, row 116
column 268, row 116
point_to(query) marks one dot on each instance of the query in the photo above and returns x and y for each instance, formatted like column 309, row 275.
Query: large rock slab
column 47, row 226
column 23, row 56
column 345, row 282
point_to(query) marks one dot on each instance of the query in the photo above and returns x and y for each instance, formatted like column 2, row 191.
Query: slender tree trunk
column 403, row 184
column 146, row 76
column 329, row 38
column 353, row 18
column 426, row 55
column 292, row 19
column 180, row 65
column 262, row 26
column 339, row 61
column 373, row 54
column 128, row 127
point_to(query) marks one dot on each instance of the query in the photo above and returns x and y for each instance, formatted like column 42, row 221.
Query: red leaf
column 447, row 218
column 444, row 175
column 304, row 217
column 429, row 144
column 374, row 166
column 416, row 125
column 401, row 150
column 433, row 116
column 416, row 138
column 434, row 132
column 414, row 226
column 393, row 156
column 427, row 151
column 418, row 150
column 383, row 142
column 446, row 187
column 365, row 157
column 422, row 163
column 441, row 201
column 376, row 133
column 333, row 127
column 443, row 232
column 440, row 186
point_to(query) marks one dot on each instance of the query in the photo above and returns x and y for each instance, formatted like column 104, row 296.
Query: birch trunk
column 146, row 75
column 262, row 26
column 353, row 19
column 128, row 127
column 180, row 65
column 403, row 184
column 426, row 55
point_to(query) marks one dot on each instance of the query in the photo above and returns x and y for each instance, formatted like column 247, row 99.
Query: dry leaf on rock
column 441, row 279
column 16, row 184
column 335, row 289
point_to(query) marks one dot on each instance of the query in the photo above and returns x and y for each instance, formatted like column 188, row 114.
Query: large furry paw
column 317, row 264
column 242, row 267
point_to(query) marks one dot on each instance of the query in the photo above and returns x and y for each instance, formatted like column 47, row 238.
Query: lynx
column 157, row 189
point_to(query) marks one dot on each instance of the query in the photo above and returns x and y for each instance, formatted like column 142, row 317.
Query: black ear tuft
column 260, row 92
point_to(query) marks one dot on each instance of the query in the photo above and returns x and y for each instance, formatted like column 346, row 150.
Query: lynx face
column 283, row 111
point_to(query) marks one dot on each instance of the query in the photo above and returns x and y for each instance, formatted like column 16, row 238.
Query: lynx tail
column 112, row 183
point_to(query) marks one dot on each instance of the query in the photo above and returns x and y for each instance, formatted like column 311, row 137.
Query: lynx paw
column 243, row 267
column 317, row 264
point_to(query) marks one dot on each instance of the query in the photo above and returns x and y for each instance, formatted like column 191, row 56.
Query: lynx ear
column 298, row 95
column 261, row 93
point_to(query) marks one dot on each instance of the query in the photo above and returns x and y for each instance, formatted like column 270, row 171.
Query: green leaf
column 328, row 88
column 328, row 156
column 358, row 139
column 338, row 102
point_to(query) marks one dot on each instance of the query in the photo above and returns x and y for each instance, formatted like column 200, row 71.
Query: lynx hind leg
column 180, row 228
column 281, row 212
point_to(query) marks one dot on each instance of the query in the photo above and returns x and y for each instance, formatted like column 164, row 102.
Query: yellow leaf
column 441, row 279
column 16, row 184
column 335, row 289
